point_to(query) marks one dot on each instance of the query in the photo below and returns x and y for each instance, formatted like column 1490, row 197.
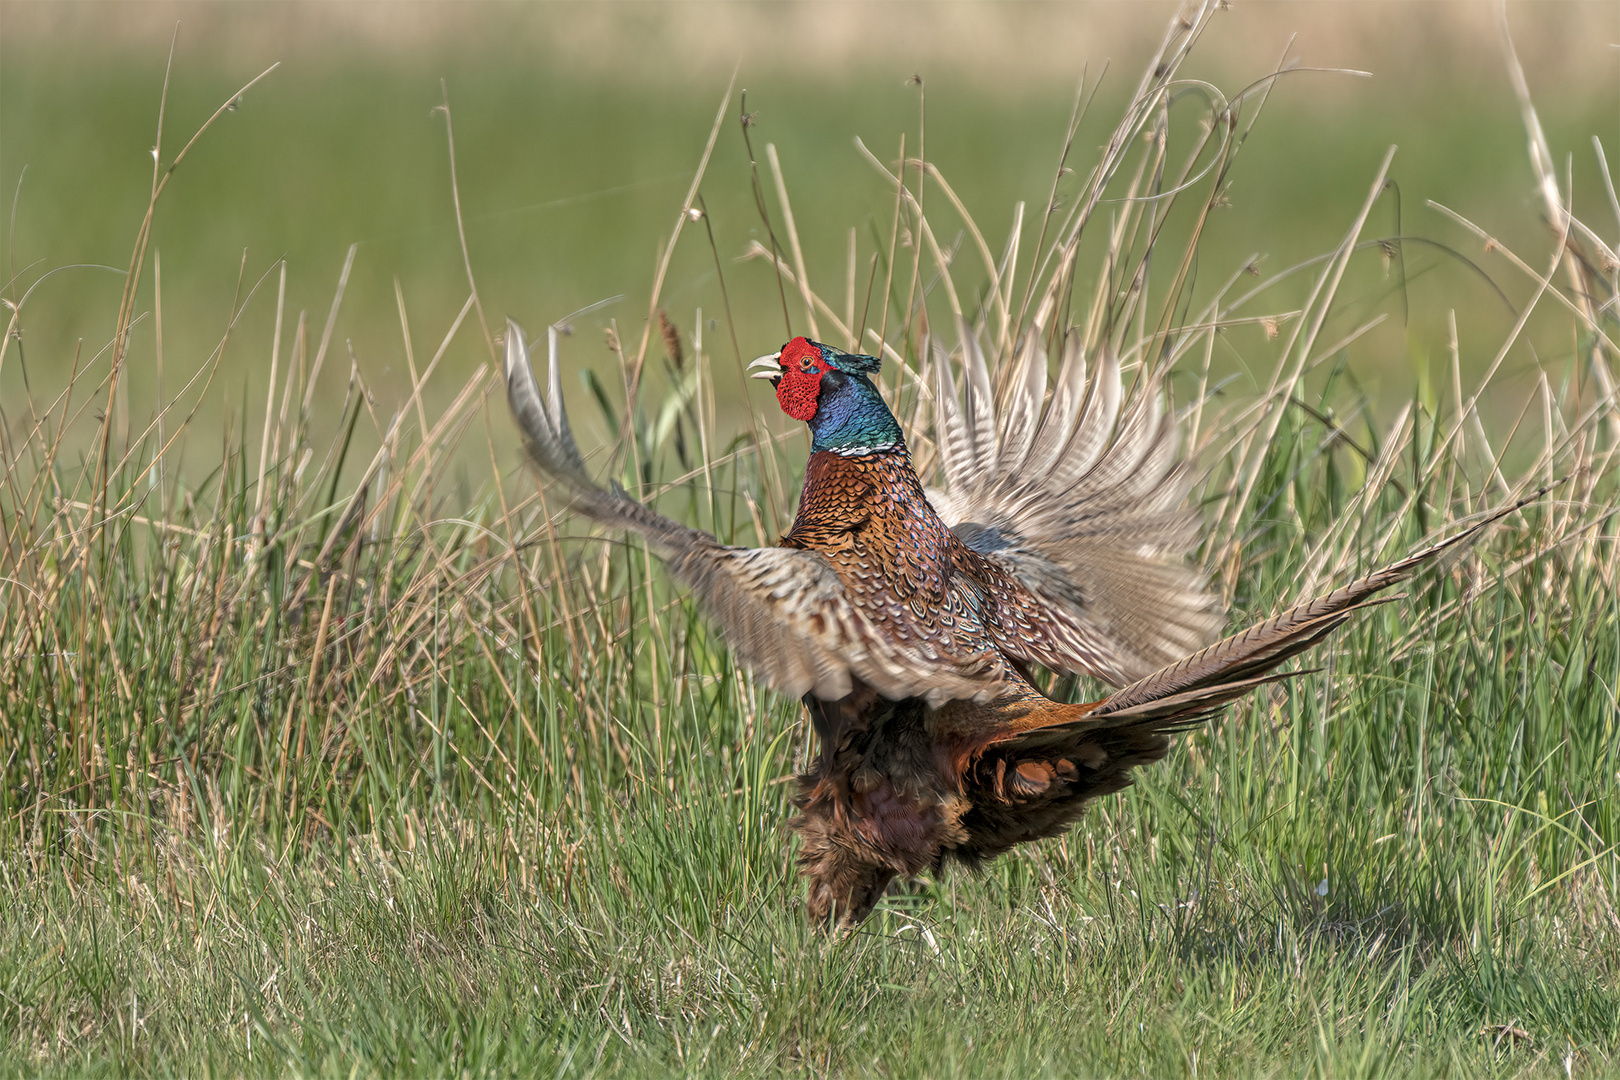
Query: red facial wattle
column 797, row 393
column 799, row 388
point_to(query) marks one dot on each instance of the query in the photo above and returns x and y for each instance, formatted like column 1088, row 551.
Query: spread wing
column 1083, row 501
column 783, row 611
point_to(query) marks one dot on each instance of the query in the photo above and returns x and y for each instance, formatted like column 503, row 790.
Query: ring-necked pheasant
column 908, row 620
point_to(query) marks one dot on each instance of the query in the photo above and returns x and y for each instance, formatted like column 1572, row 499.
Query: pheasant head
column 828, row 389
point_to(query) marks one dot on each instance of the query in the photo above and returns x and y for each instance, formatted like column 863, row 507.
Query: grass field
column 329, row 749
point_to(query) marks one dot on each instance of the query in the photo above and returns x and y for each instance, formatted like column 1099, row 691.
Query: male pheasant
column 908, row 621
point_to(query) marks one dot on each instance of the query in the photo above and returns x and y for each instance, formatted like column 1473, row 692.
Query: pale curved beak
column 772, row 364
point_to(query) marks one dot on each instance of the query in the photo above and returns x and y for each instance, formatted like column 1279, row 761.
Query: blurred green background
column 578, row 127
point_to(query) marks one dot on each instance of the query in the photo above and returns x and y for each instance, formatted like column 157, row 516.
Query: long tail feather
column 1228, row 669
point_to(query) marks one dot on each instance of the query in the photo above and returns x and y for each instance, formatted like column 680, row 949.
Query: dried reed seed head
column 611, row 336
column 1271, row 328
column 672, row 340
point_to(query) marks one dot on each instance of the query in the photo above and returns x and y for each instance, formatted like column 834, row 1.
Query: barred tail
column 1200, row 685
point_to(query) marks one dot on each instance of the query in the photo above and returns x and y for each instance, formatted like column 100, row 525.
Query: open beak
column 772, row 365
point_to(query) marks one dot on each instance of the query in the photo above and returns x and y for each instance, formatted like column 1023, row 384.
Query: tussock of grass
column 314, row 765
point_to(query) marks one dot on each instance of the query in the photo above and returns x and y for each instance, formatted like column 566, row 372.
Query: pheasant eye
column 806, row 364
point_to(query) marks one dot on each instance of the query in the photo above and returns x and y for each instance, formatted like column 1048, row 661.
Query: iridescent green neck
column 851, row 418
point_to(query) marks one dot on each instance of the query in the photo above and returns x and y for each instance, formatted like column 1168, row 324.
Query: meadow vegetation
column 330, row 747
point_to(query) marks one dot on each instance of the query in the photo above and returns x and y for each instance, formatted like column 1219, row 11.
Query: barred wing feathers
column 783, row 611
column 1083, row 502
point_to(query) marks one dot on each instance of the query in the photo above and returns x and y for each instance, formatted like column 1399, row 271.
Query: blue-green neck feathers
column 851, row 417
